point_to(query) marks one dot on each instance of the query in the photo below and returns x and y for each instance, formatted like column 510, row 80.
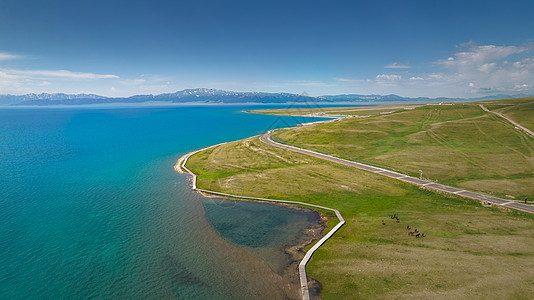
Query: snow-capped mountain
column 205, row 95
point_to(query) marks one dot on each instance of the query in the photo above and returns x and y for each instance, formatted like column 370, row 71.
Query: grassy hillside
column 341, row 111
column 521, row 111
column 459, row 145
column 469, row 252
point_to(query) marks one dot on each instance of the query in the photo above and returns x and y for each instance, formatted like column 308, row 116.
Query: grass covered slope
column 520, row 111
column 341, row 111
column 459, row 145
column 469, row 251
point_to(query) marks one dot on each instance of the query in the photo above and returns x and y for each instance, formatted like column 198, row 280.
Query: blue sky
column 410, row 48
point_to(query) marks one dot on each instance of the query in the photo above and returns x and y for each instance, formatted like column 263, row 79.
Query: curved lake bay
column 90, row 207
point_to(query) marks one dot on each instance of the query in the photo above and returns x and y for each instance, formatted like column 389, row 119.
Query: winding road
column 517, row 125
column 266, row 138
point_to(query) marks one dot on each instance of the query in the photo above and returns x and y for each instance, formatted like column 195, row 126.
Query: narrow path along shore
column 266, row 138
column 302, row 265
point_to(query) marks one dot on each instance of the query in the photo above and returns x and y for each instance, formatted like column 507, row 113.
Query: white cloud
column 396, row 65
column 8, row 56
column 350, row 80
column 388, row 77
column 436, row 76
column 474, row 70
column 143, row 84
column 10, row 83
column 522, row 87
column 478, row 55
column 60, row 73
column 19, row 81
column 486, row 68
column 35, row 81
column 7, row 76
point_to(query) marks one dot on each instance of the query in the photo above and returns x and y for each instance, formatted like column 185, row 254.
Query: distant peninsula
column 214, row 96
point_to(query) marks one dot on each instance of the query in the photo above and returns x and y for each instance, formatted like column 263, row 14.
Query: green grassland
column 521, row 111
column 459, row 145
column 341, row 111
column 470, row 251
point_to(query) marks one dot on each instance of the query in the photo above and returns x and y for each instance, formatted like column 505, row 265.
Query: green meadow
column 458, row 145
column 521, row 111
column 342, row 111
column 469, row 251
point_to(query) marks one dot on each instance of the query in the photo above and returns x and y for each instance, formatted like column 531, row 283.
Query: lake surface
column 90, row 207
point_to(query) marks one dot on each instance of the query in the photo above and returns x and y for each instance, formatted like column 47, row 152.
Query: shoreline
column 295, row 250
column 423, row 197
column 316, row 242
column 323, row 218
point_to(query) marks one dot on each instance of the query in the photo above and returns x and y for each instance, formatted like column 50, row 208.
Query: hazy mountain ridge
column 205, row 95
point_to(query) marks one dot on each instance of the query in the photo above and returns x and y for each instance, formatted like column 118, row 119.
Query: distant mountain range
column 203, row 95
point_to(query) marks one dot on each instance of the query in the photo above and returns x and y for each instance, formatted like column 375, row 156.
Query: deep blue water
column 90, row 207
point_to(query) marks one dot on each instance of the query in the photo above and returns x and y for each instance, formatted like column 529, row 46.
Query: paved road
column 526, row 130
column 266, row 138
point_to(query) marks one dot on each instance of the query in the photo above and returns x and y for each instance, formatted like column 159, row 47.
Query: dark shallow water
column 265, row 230
column 90, row 207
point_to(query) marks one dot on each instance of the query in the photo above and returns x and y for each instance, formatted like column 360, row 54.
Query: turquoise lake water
column 91, row 208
